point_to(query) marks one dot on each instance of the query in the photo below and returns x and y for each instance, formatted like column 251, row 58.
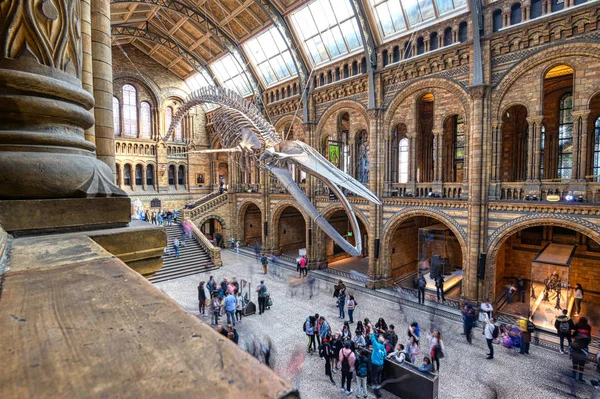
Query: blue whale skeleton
column 243, row 131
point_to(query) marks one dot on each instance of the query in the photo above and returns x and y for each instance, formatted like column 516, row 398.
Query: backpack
column 530, row 326
column 563, row 327
column 304, row 326
column 361, row 368
column 421, row 283
column 496, row 332
column 345, row 364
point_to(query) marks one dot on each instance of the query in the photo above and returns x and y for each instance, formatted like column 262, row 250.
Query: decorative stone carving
column 43, row 152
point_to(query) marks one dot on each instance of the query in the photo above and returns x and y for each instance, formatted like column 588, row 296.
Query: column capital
column 497, row 124
column 411, row 135
column 479, row 92
column 535, row 119
column 437, row 132
column 581, row 114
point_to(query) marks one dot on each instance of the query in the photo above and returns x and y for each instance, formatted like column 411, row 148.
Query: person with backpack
column 491, row 332
column 309, row 329
column 326, row 353
column 439, row 288
column 347, row 359
column 262, row 297
column 264, row 261
column 399, row 355
column 526, row 327
column 361, row 366
column 421, row 284
column 583, row 332
column 564, row 326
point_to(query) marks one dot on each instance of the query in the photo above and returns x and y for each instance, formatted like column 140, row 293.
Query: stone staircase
column 193, row 258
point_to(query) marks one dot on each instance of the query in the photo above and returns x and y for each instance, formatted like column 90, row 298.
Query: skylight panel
column 395, row 16
column 328, row 29
column 231, row 75
column 201, row 79
column 270, row 56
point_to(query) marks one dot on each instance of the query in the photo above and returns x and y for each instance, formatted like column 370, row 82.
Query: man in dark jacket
column 564, row 326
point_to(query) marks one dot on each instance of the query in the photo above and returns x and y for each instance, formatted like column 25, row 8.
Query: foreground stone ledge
column 92, row 327
column 44, row 216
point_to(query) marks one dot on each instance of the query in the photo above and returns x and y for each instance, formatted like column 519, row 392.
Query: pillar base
column 379, row 283
column 45, row 216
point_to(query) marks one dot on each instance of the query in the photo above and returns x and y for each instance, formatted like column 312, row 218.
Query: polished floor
column 465, row 373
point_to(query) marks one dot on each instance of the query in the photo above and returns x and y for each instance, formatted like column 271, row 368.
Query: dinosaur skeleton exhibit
column 244, row 132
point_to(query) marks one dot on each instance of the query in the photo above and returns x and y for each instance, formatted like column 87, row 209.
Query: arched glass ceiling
column 326, row 34
column 198, row 80
column 394, row 16
column 231, row 75
column 270, row 56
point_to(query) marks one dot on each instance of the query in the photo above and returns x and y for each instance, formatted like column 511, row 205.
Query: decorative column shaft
column 43, row 151
column 103, row 82
column 87, row 77
column 534, row 139
column 582, row 122
column 412, row 157
column 438, row 154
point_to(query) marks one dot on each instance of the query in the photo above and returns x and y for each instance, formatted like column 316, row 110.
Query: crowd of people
column 161, row 217
column 361, row 351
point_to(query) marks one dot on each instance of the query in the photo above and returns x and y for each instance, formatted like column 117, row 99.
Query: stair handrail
column 201, row 200
column 213, row 252
column 189, row 214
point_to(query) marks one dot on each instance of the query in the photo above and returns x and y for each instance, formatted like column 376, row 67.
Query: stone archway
column 250, row 223
column 289, row 229
column 326, row 249
column 527, row 251
column 414, row 239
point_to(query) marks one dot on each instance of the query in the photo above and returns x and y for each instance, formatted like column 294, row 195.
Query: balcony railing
column 424, row 190
column 247, row 188
column 211, row 250
column 572, row 191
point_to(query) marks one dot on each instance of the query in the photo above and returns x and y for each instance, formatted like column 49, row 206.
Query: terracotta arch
column 275, row 217
column 242, row 213
column 427, row 85
column 128, row 78
column 589, row 101
column 505, row 231
column 291, row 119
column 347, row 105
column 408, row 213
column 550, row 56
column 141, row 80
column 333, row 208
column 216, row 217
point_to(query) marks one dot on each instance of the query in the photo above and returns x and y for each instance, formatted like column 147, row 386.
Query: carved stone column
column 144, row 170
column 580, row 157
column 87, row 77
column 412, row 157
column 43, row 151
column 534, row 143
column 477, row 196
column 438, row 154
column 103, row 81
